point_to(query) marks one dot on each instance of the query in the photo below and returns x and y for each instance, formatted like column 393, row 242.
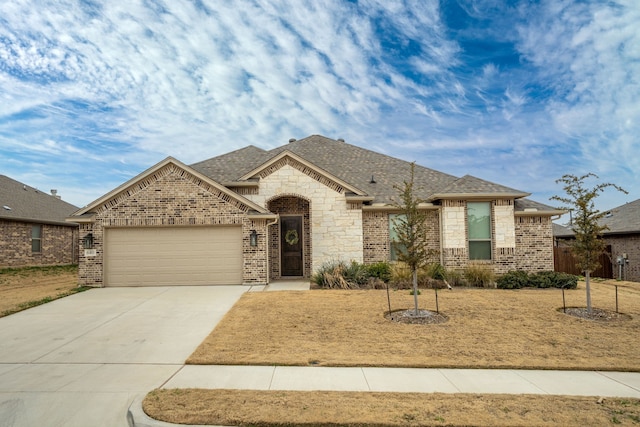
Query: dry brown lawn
column 22, row 288
column 487, row 328
column 287, row 408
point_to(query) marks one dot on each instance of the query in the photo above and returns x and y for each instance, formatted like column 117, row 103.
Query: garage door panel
column 173, row 256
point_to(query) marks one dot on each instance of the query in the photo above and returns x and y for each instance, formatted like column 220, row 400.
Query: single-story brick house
column 252, row 216
column 623, row 235
column 33, row 230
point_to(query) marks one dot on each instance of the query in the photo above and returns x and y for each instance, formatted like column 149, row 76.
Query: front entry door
column 291, row 245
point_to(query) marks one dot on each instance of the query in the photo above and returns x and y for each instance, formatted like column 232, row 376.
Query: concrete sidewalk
column 484, row 381
column 512, row 381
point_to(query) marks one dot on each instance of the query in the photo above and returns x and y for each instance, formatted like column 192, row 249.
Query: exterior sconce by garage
column 253, row 238
column 87, row 242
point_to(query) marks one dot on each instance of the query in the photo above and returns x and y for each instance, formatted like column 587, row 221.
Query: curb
column 136, row 417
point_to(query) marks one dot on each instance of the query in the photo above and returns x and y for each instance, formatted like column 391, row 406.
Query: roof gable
column 20, row 202
column 288, row 158
column 142, row 180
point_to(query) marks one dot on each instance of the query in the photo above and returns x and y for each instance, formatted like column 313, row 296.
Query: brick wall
column 58, row 245
column 375, row 230
column 534, row 243
column 173, row 197
column 376, row 242
column 629, row 244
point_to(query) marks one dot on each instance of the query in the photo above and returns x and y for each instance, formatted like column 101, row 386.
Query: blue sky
column 515, row 92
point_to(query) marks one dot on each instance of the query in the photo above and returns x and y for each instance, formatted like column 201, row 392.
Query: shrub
column 331, row 275
column 380, row 270
column 515, row 279
column 455, row 278
column 479, row 275
column 554, row 279
column 436, row 271
column 543, row 279
column 356, row 273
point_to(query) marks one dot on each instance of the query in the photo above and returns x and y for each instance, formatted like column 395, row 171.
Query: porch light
column 253, row 238
column 87, row 242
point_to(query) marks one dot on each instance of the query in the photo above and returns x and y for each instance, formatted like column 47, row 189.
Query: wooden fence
column 564, row 262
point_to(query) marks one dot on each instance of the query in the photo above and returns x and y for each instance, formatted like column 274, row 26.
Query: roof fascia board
column 287, row 153
column 157, row 167
column 421, row 206
column 538, row 213
column 477, row 196
column 64, row 223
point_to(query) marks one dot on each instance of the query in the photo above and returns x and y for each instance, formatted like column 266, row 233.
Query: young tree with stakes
column 588, row 244
column 411, row 231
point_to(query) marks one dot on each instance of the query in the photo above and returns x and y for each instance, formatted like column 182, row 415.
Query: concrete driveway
column 81, row 360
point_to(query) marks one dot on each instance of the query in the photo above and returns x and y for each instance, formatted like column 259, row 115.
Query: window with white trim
column 36, row 238
column 479, row 221
column 393, row 235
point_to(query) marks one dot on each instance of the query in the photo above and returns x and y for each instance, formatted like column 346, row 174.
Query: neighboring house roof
column 371, row 173
column 20, row 202
column 624, row 219
column 561, row 231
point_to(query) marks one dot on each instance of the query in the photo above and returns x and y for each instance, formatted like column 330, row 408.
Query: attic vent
column 7, row 207
column 340, row 139
column 292, row 140
column 608, row 214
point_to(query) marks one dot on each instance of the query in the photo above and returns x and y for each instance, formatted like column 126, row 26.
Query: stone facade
column 58, row 245
column 336, row 227
column 167, row 198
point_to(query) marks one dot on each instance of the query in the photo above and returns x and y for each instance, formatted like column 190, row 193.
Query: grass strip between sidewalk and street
column 325, row 408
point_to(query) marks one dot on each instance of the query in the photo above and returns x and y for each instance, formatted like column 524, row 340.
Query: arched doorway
column 290, row 238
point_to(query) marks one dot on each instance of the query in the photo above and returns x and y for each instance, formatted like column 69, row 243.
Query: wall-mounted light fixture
column 87, row 242
column 253, row 238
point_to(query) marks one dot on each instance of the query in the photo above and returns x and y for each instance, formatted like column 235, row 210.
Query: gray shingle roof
column 623, row 219
column 469, row 184
column 354, row 165
column 26, row 203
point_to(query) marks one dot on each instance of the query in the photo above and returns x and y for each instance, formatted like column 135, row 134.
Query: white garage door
column 173, row 256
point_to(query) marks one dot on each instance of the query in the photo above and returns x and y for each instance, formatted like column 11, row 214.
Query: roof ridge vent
column 292, row 140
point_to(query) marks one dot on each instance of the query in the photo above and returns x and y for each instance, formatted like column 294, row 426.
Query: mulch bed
column 423, row 317
column 597, row 314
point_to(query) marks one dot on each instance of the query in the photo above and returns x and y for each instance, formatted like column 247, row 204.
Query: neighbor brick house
column 623, row 235
column 252, row 216
column 33, row 230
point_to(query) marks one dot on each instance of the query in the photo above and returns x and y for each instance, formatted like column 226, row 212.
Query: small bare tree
column 411, row 230
column 588, row 244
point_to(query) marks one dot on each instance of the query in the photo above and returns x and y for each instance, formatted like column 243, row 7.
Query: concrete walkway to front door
column 81, row 360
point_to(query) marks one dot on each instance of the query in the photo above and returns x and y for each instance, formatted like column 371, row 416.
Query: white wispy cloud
column 115, row 83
